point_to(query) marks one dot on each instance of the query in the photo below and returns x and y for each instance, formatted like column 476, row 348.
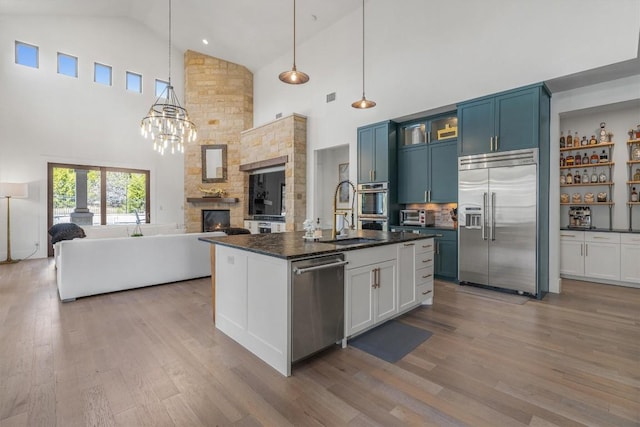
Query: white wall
column 47, row 117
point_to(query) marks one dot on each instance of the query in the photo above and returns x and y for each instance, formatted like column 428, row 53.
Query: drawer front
column 424, row 291
column 571, row 236
column 446, row 234
column 602, row 237
column 424, row 275
column 425, row 245
column 630, row 238
column 424, row 259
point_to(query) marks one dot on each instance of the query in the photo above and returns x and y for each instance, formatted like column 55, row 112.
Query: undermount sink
column 350, row 241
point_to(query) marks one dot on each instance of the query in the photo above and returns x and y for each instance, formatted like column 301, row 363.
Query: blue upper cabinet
column 502, row 122
column 427, row 161
column 376, row 152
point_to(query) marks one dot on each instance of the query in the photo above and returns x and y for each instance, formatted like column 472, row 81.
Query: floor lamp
column 11, row 190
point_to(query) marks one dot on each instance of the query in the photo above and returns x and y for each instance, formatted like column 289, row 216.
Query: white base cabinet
column 630, row 258
column 382, row 282
column 603, row 257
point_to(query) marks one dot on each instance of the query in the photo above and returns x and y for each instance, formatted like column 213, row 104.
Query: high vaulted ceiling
column 248, row 32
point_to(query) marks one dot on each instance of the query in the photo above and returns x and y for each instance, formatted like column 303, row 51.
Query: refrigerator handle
column 493, row 216
column 484, row 219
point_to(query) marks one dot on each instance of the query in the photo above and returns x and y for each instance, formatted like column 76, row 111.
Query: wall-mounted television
column 266, row 192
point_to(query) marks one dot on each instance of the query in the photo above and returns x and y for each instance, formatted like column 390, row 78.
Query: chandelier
column 167, row 123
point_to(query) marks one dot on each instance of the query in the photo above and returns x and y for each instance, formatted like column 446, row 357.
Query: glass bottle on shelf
column 562, row 143
column 634, row 194
column 603, row 133
column 584, row 141
column 594, row 176
column 569, row 178
column 602, row 177
column 604, row 157
column 635, row 153
column 576, row 139
column 636, row 176
column 563, row 179
column 595, row 159
column 585, row 159
column 562, row 160
column 577, row 178
column 585, row 177
column 578, row 160
column 569, row 139
column 593, row 140
column 569, row 160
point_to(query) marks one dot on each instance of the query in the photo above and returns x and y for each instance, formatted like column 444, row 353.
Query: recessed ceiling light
column 205, row 41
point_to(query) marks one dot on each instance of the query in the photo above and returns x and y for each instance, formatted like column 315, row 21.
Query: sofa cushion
column 65, row 231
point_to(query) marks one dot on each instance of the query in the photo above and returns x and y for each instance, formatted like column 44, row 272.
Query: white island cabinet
column 252, row 285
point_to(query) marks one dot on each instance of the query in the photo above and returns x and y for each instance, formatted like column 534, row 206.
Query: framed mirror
column 214, row 163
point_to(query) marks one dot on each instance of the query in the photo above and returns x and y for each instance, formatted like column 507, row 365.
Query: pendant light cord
column 169, row 42
column 294, row 33
column 363, row 48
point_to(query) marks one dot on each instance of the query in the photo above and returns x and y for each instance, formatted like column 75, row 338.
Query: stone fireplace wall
column 219, row 98
column 285, row 137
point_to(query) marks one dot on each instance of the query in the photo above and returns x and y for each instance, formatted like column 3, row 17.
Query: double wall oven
column 373, row 206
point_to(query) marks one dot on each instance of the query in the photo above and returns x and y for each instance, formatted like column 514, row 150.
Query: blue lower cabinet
column 446, row 255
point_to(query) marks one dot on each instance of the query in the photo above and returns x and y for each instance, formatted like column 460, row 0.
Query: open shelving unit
column 631, row 165
column 609, row 183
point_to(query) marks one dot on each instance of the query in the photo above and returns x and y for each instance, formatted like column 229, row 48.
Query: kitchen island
column 385, row 274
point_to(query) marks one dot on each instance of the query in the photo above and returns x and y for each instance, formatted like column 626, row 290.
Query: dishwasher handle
column 299, row 271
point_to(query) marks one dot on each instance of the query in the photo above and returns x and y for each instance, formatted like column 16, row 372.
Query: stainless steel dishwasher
column 317, row 304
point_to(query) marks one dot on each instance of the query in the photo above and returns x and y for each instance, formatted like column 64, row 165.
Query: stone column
column 81, row 214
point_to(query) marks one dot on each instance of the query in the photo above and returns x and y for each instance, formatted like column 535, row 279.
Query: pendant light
column 364, row 102
column 293, row 76
column 167, row 123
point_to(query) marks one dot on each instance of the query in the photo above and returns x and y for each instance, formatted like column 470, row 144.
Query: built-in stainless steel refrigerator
column 497, row 208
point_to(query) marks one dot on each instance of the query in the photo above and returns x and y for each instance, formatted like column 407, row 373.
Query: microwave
column 418, row 217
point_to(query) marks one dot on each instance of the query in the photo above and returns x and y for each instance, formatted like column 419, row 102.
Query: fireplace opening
column 215, row 219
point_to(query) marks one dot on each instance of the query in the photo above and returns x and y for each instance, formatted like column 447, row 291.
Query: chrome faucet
column 343, row 211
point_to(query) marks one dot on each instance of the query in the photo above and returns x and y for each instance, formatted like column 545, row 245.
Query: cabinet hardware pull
column 427, row 292
column 496, row 144
column 409, row 244
column 429, row 194
column 586, row 249
column 491, row 144
column 600, row 237
column 581, row 254
column 567, row 235
column 438, row 235
column 426, row 246
column 425, row 195
column 438, row 248
column 427, row 260
column 427, row 276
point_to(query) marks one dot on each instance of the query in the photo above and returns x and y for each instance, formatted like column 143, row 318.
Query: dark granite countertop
column 413, row 227
column 291, row 245
column 601, row 230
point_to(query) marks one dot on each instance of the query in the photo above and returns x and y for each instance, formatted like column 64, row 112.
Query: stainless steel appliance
column 497, row 205
column 317, row 304
column 373, row 199
column 580, row 217
column 418, row 217
column 380, row 224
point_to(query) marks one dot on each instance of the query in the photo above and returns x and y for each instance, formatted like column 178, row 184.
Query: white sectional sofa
column 98, row 264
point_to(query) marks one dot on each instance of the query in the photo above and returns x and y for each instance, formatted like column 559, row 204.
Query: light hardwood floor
column 152, row 357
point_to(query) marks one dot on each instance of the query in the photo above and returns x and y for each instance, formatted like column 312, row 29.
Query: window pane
column 134, row 82
column 102, row 74
column 64, row 195
column 160, row 87
column 26, row 54
column 67, row 65
column 126, row 196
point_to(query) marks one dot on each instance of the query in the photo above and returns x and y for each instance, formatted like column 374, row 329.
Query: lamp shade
column 12, row 189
